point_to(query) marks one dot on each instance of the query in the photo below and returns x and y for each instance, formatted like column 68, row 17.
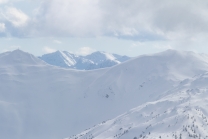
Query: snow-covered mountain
column 41, row 101
column 95, row 60
column 181, row 113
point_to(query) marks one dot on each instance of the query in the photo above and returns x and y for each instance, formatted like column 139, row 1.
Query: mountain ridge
column 48, row 102
column 95, row 60
column 181, row 113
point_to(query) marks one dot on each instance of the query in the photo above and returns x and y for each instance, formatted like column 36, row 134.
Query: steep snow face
column 95, row 60
column 180, row 113
column 47, row 102
column 61, row 59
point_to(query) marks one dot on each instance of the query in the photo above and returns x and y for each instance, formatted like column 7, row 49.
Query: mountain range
column 162, row 95
column 95, row 60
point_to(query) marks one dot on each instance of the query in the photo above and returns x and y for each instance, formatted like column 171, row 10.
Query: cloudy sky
column 130, row 27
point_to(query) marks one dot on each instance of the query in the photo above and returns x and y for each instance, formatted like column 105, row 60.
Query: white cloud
column 85, row 51
column 136, row 19
column 3, row 1
column 2, row 27
column 141, row 20
column 57, row 41
column 48, row 50
column 15, row 16
column 11, row 1
column 70, row 17
column 162, row 47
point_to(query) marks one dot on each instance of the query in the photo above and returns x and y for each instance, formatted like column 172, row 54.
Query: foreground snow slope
column 180, row 113
column 95, row 60
column 46, row 102
column 38, row 100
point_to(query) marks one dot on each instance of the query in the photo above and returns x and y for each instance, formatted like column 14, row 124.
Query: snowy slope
column 95, row 60
column 180, row 113
column 147, row 76
column 38, row 100
column 47, row 102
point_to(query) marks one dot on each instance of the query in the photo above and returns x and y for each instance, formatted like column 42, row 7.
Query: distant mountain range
column 95, row 60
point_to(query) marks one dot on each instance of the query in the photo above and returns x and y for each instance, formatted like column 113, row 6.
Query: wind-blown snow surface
column 95, row 60
column 46, row 102
column 180, row 113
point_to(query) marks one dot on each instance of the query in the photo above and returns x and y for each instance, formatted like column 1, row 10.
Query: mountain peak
column 18, row 52
column 19, row 57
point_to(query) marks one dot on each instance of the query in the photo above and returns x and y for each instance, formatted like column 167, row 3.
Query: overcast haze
column 131, row 27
